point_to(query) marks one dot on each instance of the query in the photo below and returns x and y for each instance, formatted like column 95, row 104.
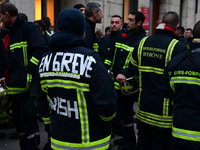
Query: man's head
column 107, row 30
column 41, row 25
column 135, row 21
column 8, row 14
column 188, row 33
column 23, row 16
column 94, row 12
column 171, row 18
column 46, row 21
column 71, row 20
column 116, row 23
column 180, row 31
column 196, row 30
column 80, row 7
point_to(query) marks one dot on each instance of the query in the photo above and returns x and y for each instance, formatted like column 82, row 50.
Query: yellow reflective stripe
column 139, row 54
column 82, row 105
column 166, row 107
column 124, row 46
column 133, row 62
column 47, row 120
column 127, row 87
column 170, row 50
column 108, row 118
column 48, row 33
column 107, row 62
column 18, row 45
column 117, row 85
column 96, row 145
column 67, row 84
column 151, row 69
column 95, row 47
column 34, row 60
column 128, row 59
column 185, row 80
column 155, row 120
column 186, row 134
column 12, row 90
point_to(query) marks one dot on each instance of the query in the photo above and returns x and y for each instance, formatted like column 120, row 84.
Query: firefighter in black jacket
column 25, row 47
column 109, row 40
column 181, row 84
column 80, row 92
column 125, row 43
column 149, row 59
column 93, row 12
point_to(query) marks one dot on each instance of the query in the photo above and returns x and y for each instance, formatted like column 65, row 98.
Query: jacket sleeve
column 37, row 46
column 42, row 101
column 3, row 58
column 102, row 90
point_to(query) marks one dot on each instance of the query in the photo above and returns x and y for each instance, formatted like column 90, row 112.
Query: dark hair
column 8, row 7
column 23, row 16
column 171, row 18
column 40, row 23
column 138, row 16
column 118, row 16
column 181, row 29
column 46, row 21
column 90, row 7
column 107, row 28
column 196, row 30
column 189, row 30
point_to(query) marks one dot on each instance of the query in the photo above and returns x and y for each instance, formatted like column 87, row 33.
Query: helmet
column 129, row 87
column 5, row 102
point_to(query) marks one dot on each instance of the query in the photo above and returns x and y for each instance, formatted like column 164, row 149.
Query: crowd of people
column 84, row 84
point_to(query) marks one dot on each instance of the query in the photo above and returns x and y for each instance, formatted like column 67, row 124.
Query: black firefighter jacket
column 148, row 61
column 181, row 84
column 26, row 46
column 80, row 92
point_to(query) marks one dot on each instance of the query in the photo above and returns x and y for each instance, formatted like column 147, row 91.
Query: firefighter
column 181, row 82
column 25, row 46
column 80, row 92
column 149, row 59
column 125, row 43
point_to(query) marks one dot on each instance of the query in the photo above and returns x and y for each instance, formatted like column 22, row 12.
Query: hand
column 3, row 81
column 121, row 78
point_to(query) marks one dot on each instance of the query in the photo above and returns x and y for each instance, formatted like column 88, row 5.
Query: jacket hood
column 63, row 39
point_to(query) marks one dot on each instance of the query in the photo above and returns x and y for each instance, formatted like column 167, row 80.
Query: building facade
column 189, row 10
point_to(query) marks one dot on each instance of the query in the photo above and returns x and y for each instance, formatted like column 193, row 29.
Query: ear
column 94, row 13
column 139, row 23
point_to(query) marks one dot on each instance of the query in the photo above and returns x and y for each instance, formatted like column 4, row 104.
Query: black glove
column 31, row 106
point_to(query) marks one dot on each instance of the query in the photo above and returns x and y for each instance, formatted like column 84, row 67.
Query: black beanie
column 71, row 20
column 78, row 6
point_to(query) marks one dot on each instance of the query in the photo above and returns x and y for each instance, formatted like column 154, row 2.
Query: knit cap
column 78, row 6
column 71, row 20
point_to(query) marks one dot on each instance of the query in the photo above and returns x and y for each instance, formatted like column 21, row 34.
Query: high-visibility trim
column 33, row 135
column 108, row 118
column 139, row 56
column 34, row 60
column 96, row 145
column 67, row 84
column 83, row 112
column 170, row 49
column 96, row 47
column 126, row 64
column 60, row 74
column 133, row 62
column 46, row 120
column 151, row 69
column 188, row 135
column 166, row 107
column 107, row 62
column 124, row 46
column 126, row 87
column 117, row 85
column 18, row 45
column 114, row 57
column 12, row 90
column 155, row 120
column 185, row 79
column 49, row 34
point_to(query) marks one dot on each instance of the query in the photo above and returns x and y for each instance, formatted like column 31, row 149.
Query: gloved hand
column 31, row 106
